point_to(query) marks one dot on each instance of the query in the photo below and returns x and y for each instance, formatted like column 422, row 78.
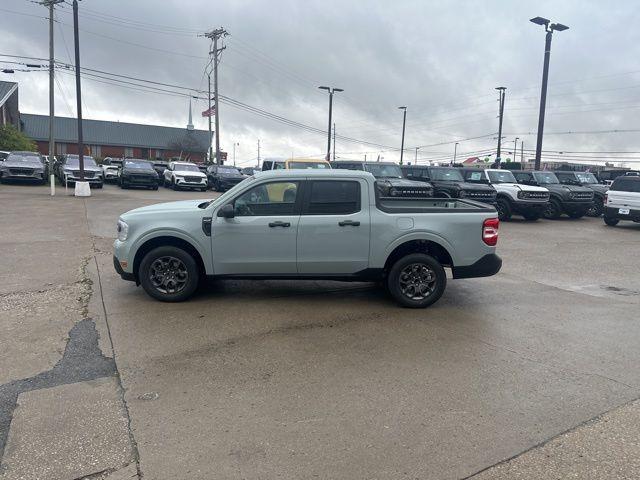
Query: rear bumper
column 488, row 265
column 614, row 212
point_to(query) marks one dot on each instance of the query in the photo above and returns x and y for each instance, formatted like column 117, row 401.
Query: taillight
column 490, row 231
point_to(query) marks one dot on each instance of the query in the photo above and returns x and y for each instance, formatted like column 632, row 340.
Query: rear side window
column 333, row 198
column 626, row 185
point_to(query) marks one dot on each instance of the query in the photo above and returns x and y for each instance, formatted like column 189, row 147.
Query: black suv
column 389, row 179
column 572, row 200
column 589, row 180
column 222, row 177
column 137, row 173
column 448, row 183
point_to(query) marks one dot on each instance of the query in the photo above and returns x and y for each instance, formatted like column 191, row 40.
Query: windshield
column 547, row 178
column 501, row 176
column 306, row 165
column 445, row 174
column 586, row 177
column 185, row 167
column 381, row 171
column 75, row 162
column 228, row 170
column 141, row 164
column 22, row 158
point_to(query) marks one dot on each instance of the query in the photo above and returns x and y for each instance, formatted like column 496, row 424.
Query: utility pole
column 234, row 152
column 52, row 146
column 501, row 91
column 455, row 153
column 331, row 91
column 522, row 152
column 549, row 28
column 334, row 141
column 416, row 159
column 209, row 112
column 76, row 38
column 258, row 152
column 515, row 148
column 214, row 36
column 404, row 122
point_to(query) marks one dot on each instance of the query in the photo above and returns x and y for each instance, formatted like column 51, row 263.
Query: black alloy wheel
column 416, row 280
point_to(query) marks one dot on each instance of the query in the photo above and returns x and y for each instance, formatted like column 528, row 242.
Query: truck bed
column 431, row 205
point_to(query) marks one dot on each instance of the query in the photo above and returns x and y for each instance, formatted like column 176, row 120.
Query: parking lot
column 309, row 379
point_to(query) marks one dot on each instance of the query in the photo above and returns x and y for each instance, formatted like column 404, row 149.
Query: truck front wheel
column 416, row 280
column 503, row 208
column 169, row 274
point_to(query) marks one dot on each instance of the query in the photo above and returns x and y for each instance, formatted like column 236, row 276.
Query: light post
column 455, row 153
column 549, row 28
column 331, row 90
column 404, row 122
column 501, row 91
column 235, row 144
column 416, row 159
column 515, row 148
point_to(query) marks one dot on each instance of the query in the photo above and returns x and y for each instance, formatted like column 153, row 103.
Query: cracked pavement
column 502, row 378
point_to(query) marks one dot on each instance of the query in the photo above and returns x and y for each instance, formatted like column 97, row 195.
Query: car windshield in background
column 586, row 177
column 445, row 174
column 75, row 162
column 141, row 164
column 187, row 168
column 228, row 170
column 548, row 178
column 22, row 158
column 307, row 165
column 503, row 176
column 381, row 171
column 626, row 185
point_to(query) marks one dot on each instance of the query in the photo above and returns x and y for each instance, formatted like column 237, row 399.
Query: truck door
column 261, row 237
column 334, row 230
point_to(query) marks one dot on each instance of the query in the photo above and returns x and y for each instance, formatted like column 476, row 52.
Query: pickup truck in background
column 623, row 200
column 512, row 198
column 308, row 224
column 588, row 180
column 572, row 200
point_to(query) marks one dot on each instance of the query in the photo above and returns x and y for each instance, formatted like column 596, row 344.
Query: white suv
column 622, row 201
column 185, row 175
column 513, row 198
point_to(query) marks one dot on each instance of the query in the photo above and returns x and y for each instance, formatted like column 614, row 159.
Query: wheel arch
column 420, row 245
column 167, row 240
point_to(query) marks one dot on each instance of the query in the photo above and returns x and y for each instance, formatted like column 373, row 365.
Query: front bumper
column 124, row 275
column 529, row 207
column 614, row 212
column 140, row 180
column 226, row 184
column 488, row 265
column 577, row 206
column 8, row 175
column 92, row 181
column 182, row 182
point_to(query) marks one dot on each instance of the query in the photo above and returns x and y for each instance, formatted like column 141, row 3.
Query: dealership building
column 105, row 138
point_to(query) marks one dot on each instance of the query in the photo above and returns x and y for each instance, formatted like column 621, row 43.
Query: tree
column 12, row 139
column 186, row 145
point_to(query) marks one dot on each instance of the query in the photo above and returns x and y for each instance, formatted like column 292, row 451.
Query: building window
column 158, row 153
column 61, row 148
column 128, row 152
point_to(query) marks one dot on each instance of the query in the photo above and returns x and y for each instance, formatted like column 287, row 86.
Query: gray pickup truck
column 308, row 224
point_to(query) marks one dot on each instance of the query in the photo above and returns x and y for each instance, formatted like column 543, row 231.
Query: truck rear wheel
column 416, row 280
column 612, row 222
column 169, row 274
column 596, row 209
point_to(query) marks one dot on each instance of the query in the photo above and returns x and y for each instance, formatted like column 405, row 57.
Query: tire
column 596, row 209
column 576, row 215
column 204, row 189
column 216, row 186
column 504, row 209
column 99, row 185
column 403, row 289
column 531, row 216
column 181, row 270
column 553, row 210
column 612, row 222
column 173, row 185
column 155, row 187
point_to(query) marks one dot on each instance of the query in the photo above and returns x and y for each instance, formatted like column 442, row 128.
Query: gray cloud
column 441, row 59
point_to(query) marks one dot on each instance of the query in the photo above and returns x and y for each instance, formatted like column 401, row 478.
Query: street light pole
column 404, row 122
column 76, row 37
column 515, row 148
column 234, row 152
column 416, row 159
column 549, row 28
column 501, row 91
column 455, row 153
column 331, row 90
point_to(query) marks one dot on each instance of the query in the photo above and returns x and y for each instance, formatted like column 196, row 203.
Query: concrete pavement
column 327, row 380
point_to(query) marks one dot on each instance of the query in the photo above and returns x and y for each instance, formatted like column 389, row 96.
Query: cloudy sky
column 441, row 59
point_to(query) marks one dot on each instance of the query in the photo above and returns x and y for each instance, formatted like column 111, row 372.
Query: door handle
column 349, row 223
column 279, row 224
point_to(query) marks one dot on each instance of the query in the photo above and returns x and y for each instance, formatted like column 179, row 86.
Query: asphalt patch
column 82, row 361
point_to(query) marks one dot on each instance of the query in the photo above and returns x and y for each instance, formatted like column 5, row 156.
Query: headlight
column 462, row 194
column 392, row 192
column 522, row 194
column 123, row 230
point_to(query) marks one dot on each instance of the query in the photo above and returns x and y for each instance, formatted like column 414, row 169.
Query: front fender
column 202, row 245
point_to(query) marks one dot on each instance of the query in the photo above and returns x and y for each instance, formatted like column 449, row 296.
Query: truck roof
column 312, row 173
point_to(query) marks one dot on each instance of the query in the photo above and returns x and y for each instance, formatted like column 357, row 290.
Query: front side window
column 333, row 198
column 268, row 199
column 546, row 178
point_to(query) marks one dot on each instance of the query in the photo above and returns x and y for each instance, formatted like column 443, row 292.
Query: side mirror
column 227, row 211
